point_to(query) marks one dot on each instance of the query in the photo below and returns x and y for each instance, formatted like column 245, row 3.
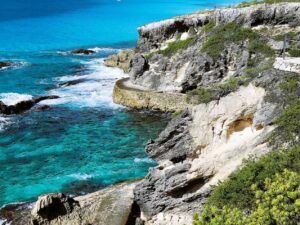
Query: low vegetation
column 223, row 35
column 175, row 46
column 294, row 52
column 277, row 201
column 215, row 92
column 264, row 191
column 256, row 2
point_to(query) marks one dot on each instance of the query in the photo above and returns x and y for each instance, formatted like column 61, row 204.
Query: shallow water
column 84, row 141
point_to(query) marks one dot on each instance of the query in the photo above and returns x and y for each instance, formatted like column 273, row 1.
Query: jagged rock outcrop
column 23, row 106
column 51, row 206
column 152, row 35
column 190, row 67
column 202, row 148
column 120, row 60
column 113, row 205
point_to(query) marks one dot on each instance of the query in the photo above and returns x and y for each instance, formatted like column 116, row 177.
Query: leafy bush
column 209, row 26
column 276, row 202
column 294, row 52
column 223, row 35
column 288, row 122
column 200, row 95
column 205, row 95
column 173, row 47
column 236, row 190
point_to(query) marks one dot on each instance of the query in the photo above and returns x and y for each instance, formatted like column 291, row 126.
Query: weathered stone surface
column 154, row 34
column 52, row 206
column 125, row 94
column 120, row 60
column 138, row 65
column 175, row 143
column 23, row 106
column 113, row 205
column 199, row 150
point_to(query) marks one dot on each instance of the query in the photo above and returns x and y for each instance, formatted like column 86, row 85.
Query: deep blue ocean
column 84, row 141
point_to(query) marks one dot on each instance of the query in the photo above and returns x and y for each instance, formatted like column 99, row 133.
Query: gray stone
column 138, row 65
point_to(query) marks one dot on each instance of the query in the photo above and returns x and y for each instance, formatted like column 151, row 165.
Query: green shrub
column 276, row 202
column 236, row 190
column 287, row 96
column 294, row 52
column 173, row 47
column 256, row 2
column 289, row 35
column 200, row 95
column 288, row 123
column 223, row 35
column 209, row 26
column 205, row 95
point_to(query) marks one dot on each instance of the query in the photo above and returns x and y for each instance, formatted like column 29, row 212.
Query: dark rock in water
column 42, row 108
column 51, row 206
column 138, row 65
column 5, row 64
column 71, row 82
column 83, row 51
column 23, row 106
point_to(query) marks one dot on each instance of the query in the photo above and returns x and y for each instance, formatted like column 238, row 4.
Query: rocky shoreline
column 229, row 120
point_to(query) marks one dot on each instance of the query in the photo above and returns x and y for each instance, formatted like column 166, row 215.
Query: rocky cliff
column 225, row 63
column 219, row 70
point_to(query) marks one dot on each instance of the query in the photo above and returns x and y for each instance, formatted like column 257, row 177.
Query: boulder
column 120, row 60
column 138, row 65
column 52, row 206
column 82, row 51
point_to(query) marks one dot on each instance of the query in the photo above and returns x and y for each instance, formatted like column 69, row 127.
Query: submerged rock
column 83, row 51
column 23, row 106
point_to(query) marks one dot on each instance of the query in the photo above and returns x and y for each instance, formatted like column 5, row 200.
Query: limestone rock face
column 189, row 68
column 120, row 60
column 200, row 149
column 52, row 206
column 138, row 65
column 154, row 34
column 113, row 205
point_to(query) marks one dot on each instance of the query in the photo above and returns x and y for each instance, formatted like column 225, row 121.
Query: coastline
column 204, row 144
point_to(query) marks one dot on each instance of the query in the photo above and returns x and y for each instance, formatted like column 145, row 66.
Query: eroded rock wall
column 200, row 149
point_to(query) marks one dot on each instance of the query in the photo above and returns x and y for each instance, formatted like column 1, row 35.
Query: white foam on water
column 96, row 91
column 14, row 98
column 81, row 176
column 143, row 160
column 4, row 122
column 108, row 50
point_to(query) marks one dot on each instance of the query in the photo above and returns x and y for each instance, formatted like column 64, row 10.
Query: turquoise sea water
column 84, row 141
